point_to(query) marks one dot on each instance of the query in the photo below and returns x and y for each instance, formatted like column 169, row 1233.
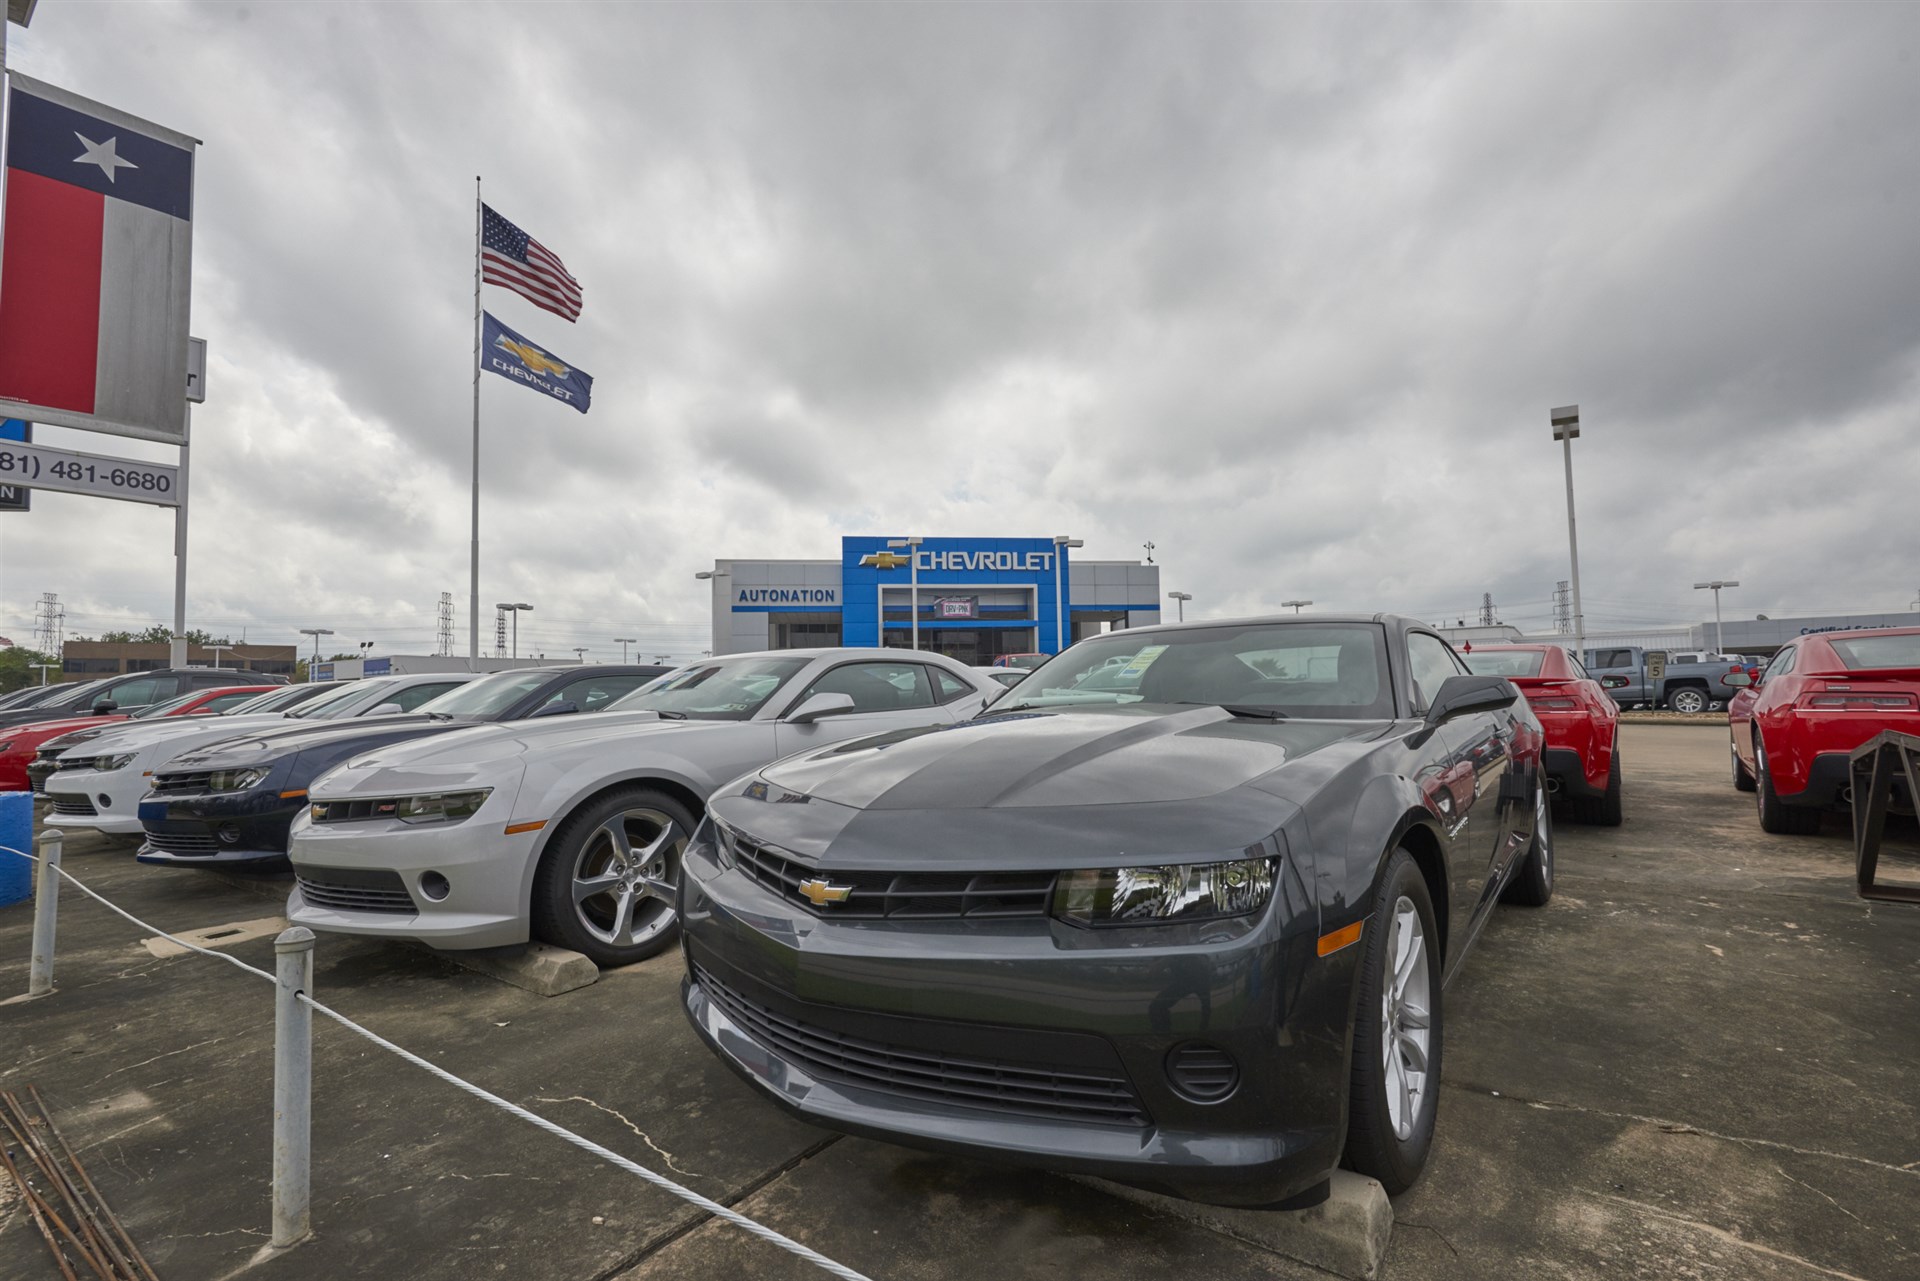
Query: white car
column 102, row 773
column 570, row 829
column 1005, row 677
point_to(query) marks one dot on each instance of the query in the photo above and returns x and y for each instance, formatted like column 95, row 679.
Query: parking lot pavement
column 1696, row 1062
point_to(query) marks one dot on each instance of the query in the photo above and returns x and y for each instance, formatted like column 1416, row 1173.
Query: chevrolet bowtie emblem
column 819, row 893
column 532, row 357
column 883, row 560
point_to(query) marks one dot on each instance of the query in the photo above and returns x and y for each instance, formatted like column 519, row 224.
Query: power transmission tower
column 499, row 633
column 445, row 647
column 1487, row 618
column 1562, row 608
column 49, row 630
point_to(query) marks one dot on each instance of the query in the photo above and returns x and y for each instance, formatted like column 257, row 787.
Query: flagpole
column 473, row 584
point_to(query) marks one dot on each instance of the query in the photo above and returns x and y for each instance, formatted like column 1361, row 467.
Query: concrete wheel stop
column 1346, row 1234
column 539, row 968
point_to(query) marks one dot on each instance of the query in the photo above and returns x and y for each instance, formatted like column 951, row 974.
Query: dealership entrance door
column 974, row 646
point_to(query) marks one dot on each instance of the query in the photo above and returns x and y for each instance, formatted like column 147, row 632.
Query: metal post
column 1058, row 636
column 1719, row 637
column 292, row 1087
column 46, row 910
column 473, row 569
column 1573, row 552
column 913, row 594
column 177, row 651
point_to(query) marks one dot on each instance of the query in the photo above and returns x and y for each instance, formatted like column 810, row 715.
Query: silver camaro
column 569, row 829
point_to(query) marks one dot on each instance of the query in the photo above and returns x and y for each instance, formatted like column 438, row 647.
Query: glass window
column 592, row 693
column 1610, row 658
column 329, row 702
column 875, row 687
column 948, row 686
column 167, row 708
column 1303, row 669
column 151, row 689
column 1432, row 663
column 1895, row 650
column 1505, row 662
column 721, row 690
column 1579, row 668
column 412, row 697
column 488, row 696
column 1782, row 663
column 221, row 702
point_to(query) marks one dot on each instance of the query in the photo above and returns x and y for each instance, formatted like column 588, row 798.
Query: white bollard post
column 46, row 908
column 292, row 1087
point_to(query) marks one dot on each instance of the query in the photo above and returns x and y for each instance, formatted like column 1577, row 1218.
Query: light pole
column 708, row 575
column 44, row 669
column 1719, row 645
column 1295, row 605
column 623, row 642
column 514, row 608
column 580, row 653
column 1060, row 544
column 316, row 633
column 913, row 589
column 1566, row 429
column 216, row 654
column 1183, row 598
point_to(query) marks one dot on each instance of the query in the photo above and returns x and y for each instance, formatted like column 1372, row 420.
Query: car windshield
column 167, row 708
column 1330, row 670
column 323, row 706
column 1505, row 662
column 360, row 696
column 722, row 690
column 278, row 697
column 488, row 696
column 79, row 696
column 1879, row 651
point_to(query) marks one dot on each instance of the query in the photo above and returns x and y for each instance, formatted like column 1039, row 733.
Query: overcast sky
column 1287, row 290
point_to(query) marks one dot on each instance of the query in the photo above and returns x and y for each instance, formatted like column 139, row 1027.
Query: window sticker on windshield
column 1140, row 662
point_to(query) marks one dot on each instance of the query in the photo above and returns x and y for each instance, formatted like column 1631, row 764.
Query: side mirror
column 1460, row 695
column 1614, row 682
column 564, row 708
column 105, row 707
column 821, row 705
column 387, row 709
column 1738, row 680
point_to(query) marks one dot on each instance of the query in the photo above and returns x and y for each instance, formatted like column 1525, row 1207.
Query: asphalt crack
column 1721, row 1234
column 621, row 1117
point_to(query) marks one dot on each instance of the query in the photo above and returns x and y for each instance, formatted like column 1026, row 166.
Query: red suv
column 1820, row 697
column 1581, row 720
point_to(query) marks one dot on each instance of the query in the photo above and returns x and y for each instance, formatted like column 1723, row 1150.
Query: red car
column 1581, row 721
column 19, row 744
column 1820, row 697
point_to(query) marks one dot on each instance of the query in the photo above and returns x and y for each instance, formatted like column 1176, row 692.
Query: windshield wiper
column 1244, row 709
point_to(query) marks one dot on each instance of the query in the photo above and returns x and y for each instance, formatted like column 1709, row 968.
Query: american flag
column 509, row 257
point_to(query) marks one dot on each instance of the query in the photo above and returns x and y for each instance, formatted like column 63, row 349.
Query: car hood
column 478, row 743
column 1117, row 756
column 133, row 735
column 70, row 725
column 250, row 747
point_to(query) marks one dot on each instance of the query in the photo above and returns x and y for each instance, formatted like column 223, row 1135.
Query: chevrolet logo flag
column 513, row 356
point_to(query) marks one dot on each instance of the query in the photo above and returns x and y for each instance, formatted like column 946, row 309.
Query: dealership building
column 974, row 598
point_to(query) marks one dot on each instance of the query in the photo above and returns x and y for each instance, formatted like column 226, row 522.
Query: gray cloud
column 1286, row 289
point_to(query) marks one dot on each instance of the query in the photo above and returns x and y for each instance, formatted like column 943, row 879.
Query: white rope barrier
column 587, row 1145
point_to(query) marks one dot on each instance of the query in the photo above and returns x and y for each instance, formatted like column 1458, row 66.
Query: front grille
column 1022, row 1089
column 918, row 896
column 189, row 844
column 355, row 889
column 74, row 807
column 195, row 781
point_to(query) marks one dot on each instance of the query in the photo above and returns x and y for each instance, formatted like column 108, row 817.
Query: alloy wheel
column 627, row 875
column 1543, row 832
column 1406, row 1019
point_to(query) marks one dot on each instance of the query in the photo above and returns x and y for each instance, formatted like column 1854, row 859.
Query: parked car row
column 1178, row 908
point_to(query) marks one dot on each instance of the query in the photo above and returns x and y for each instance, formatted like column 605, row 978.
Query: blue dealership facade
column 974, row 598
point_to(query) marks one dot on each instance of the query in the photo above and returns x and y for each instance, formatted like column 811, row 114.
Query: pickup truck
column 1684, row 687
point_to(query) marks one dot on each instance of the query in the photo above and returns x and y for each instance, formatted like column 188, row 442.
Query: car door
column 1770, row 708
column 1480, row 754
column 888, row 694
column 131, row 696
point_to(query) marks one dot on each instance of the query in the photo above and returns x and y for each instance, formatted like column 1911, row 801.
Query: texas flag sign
column 96, row 267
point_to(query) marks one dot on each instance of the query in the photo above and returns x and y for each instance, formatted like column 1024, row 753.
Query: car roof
column 1399, row 621
column 1862, row 631
column 831, row 651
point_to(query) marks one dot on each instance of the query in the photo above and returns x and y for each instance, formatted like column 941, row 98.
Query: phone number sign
column 72, row 472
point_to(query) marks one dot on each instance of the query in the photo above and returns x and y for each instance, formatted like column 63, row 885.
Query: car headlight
column 121, row 761
column 440, row 807
column 234, row 780
column 1172, row 892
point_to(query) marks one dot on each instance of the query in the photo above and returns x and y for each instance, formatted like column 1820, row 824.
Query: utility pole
column 1719, row 646
column 1566, row 429
column 623, row 642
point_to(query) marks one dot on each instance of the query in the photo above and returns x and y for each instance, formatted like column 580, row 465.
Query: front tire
column 1532, row 882
column 1393, row 1094
column 607, row 883
column 1776, row 817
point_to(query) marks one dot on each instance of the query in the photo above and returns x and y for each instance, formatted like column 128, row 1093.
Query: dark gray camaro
column 1177, row 911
